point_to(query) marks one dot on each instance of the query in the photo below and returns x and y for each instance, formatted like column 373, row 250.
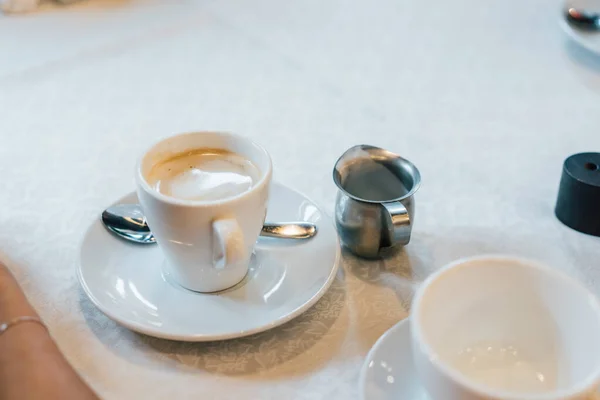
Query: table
column 486, row 99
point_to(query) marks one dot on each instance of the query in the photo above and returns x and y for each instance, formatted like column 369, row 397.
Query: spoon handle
column 291, row 230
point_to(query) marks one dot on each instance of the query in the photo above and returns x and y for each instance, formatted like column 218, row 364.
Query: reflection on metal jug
column 374, row 209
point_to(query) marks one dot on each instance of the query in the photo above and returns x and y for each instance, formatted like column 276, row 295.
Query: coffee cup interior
column 509, row 326
column 182, row 143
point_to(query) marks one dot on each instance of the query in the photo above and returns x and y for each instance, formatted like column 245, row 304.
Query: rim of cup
column 576, row 389
column 264, row 174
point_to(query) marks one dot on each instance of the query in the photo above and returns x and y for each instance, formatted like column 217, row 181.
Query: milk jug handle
column 400, row 222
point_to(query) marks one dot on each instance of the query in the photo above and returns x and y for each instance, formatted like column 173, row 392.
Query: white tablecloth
column 486, row 98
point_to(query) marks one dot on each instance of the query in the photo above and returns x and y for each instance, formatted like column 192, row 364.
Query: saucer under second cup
column 388, row 372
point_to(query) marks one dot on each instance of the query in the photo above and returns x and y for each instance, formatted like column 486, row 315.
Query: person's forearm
column 31, row 366
column 13, row 302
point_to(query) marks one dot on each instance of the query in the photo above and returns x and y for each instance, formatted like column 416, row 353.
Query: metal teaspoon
column 582, row 19
column 128, row 222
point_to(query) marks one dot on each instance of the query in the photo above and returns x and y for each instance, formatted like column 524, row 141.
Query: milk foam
column 204, row 174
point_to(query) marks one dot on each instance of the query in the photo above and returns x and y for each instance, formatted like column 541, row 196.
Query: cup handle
column 228, row 243
column 401, row 223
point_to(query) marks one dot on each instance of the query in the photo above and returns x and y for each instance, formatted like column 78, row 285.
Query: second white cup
column 505, row 328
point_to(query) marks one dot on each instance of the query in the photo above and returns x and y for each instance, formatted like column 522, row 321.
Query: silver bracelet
column 20, row 320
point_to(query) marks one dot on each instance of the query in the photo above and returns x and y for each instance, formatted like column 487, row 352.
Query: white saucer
column 126, row 281
column 588, row 40
column 388, row 372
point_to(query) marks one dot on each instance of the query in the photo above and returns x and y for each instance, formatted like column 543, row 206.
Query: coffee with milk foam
column 203, row 175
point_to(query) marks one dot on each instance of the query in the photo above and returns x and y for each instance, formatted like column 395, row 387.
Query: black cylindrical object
column 578, row 204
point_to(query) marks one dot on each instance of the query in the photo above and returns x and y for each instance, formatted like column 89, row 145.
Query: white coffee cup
column 207, row 245
column 505, row 328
